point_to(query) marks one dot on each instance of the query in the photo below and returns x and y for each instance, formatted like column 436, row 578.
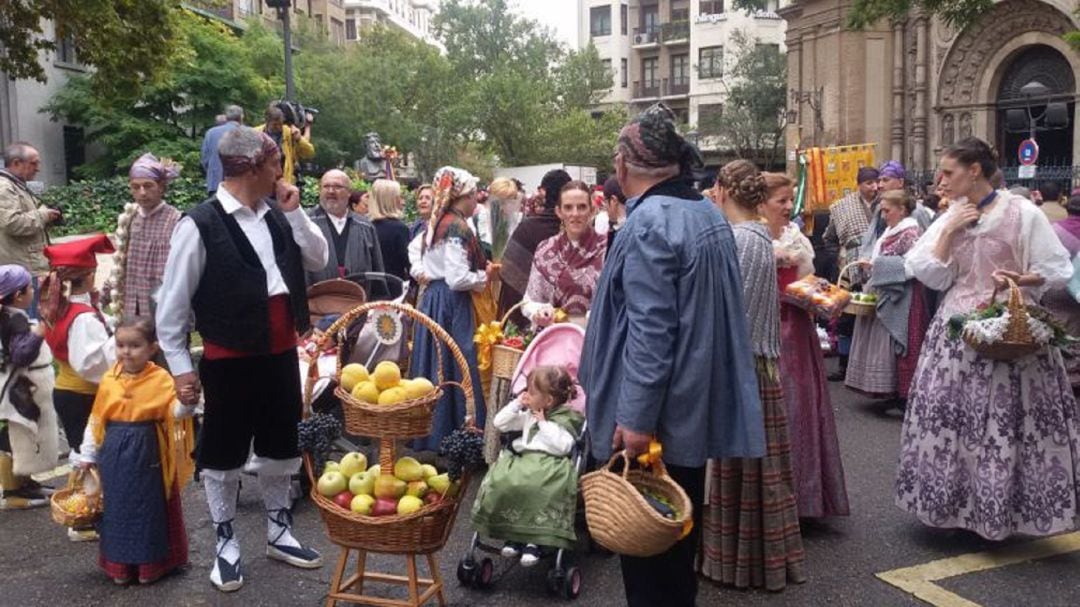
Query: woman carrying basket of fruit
column 988, row 446
column 453, row 266
column 886, row 346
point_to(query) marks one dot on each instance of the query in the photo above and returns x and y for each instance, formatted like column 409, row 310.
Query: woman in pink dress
column 988, row 446
column 815, row 448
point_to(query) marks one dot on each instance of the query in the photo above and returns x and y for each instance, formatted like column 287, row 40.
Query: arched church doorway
column 1047, row 66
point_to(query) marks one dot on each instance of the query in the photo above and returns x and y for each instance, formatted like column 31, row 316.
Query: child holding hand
column 529, row 495
column 140, row 438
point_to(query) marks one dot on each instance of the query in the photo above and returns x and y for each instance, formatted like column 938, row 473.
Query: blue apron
column 134, row 526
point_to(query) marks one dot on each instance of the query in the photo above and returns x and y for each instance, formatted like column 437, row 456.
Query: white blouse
column 447, row 260
column 550, row 438
column 91, row 350
column 793, row 242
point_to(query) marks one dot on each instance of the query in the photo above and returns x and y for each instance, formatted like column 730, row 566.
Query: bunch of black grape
column 463, row 449
column 317, row 435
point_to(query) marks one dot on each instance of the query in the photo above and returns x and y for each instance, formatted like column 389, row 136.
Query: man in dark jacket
column 354, row 246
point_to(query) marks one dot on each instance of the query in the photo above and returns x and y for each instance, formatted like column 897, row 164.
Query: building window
column 65, row 51
column 600, row 21
column 350, row 29
column 680, row 70
column 74, row 150
column 624, row 17
column 650, row 19
column 711, row 62
column 769, row 47
column 650, row 72
column 624, row 70
column 711, row 7
column 607, row 68
column 709, row 114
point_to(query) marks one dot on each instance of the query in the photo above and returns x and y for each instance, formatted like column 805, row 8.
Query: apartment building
column 327, row 15
column 414, row 17
column 672, row 50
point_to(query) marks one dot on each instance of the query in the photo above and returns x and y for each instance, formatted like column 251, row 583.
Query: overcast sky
column 560, row 15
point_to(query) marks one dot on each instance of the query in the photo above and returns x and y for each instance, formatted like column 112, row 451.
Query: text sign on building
column 1028, row 152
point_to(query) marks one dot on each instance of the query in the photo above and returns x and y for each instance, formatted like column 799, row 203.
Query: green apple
column 439, row 483
column 330, row 466
column 428, row 471
column 361, row 504
column 331, row 483
column 362, row 483
column 353, row 462
column 409, row 504
column 408, row 469
column 376, row 468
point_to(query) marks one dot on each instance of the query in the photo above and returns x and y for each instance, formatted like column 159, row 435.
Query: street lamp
column 283, row 12
column 1054, row 116
column 813, row 99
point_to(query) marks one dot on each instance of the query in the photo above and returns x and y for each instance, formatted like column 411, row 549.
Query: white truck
column 532, row 174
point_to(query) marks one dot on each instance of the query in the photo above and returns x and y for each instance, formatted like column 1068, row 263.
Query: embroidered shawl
column 564, row 274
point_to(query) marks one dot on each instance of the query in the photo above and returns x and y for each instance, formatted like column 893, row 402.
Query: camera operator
column 23, row 220
column 294, row 140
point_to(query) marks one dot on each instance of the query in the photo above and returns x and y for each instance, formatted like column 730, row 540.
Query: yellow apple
column 387, row 375
column 352, row 374
column 409, row 504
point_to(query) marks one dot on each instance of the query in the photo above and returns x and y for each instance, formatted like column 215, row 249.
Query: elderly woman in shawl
column 144, row 231
column 566, row 267
column 453, row 265
column 886, row 346
column 517, row 260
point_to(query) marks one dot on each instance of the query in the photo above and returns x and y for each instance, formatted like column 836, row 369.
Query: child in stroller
column 529, row 497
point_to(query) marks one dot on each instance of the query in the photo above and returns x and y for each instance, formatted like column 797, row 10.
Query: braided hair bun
column 555, row 381
column 743, row 183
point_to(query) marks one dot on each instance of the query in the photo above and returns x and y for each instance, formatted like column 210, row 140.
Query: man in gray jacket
column 22, row 219
column 354, row 247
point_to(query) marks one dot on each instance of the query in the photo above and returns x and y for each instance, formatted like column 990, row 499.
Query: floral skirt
column 992, row 447
column 750, row 524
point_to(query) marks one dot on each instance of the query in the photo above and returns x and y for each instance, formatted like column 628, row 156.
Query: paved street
column 40, row 567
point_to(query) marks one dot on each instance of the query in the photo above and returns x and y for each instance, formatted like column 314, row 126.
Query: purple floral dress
column 992, row 447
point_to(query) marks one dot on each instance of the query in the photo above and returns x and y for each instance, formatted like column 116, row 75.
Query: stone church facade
column 915, row 85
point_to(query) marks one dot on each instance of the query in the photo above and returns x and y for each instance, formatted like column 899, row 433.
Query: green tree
column 123, row 39
column 210, row 68
column 750, row 124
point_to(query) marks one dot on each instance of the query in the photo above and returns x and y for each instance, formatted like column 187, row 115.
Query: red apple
column 384, row 507
column 432, row 497
column 344, row 499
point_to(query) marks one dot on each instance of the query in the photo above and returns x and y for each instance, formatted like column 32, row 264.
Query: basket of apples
column 381, row 402
column 862, row 304
column 407, row 508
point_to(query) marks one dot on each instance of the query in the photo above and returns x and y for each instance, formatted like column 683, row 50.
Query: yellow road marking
column 919, row 580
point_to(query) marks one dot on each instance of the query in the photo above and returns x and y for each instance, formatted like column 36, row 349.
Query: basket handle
column 513, row 308
column 844, row 270
column 77, row 478
column 1018, row 314
column 438, row 332
column 657, row 468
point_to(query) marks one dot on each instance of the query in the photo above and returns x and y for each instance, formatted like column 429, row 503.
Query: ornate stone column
column 896, row 133
column 918, row 129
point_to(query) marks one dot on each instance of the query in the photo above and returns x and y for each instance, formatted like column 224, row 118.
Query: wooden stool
column 340, row 590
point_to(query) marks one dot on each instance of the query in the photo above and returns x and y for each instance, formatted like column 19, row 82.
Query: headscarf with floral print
column 450, row 185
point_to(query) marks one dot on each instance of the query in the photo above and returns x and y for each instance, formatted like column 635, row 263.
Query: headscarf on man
column 149, row 166
column 237, row 165
column 892, row 169
column 652, row 141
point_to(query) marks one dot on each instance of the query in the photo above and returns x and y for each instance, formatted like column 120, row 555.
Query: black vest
column 231, row 303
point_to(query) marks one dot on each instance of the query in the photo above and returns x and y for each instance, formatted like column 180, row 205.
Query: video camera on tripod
column 296, row 114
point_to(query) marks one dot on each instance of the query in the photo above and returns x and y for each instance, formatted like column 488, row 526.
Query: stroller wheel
column 571, row 585
column 466, row 572
column 485, row 573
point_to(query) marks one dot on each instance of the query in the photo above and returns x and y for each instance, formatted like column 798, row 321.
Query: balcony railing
column 646, row 35
column 679, row 88
column 661, row 87
column 675, row 31
column 647, row 89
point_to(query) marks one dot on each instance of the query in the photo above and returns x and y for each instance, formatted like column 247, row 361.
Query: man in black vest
column 238, row 262
column 354, row 246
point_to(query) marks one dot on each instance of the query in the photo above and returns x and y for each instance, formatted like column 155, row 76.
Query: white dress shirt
column 91, row 350
column 338, row 222
column 187, row 260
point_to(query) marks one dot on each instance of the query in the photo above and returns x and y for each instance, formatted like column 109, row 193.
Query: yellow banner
column 833, row 172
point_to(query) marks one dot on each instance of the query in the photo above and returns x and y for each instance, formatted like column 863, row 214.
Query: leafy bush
column 94, row 205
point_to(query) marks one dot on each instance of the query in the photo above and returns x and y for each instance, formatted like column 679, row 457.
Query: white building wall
column 20, row 119
column 615, row 47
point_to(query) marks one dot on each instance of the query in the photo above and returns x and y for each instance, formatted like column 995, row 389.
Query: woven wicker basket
column 1017, row 341
column 407, row 419
column 62, row 511
column 504, row 359
column 855, row 308
column 426, row 530
column 621, row 520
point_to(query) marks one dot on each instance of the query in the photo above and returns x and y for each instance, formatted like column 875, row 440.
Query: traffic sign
column 1028, row 152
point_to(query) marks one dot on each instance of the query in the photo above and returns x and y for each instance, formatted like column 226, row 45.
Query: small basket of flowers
column 1007, row 330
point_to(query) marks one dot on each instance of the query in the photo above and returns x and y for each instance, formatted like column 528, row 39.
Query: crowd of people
column 687, row 342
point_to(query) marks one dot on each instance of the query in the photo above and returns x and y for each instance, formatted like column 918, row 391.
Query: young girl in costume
column 28, row 432
column 140, row 438
column 529, row 496
column 77, row 334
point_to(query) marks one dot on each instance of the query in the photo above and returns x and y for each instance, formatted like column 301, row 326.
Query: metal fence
column 1067, row 176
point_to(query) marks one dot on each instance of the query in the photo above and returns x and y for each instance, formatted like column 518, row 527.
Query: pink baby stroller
column 561, row 345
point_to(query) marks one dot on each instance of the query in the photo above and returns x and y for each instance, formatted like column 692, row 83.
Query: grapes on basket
column 463, row 449
column 316, row 436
